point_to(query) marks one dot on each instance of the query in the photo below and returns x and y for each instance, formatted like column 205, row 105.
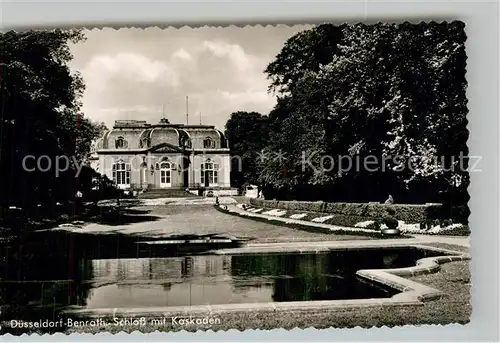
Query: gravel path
column 164, row 221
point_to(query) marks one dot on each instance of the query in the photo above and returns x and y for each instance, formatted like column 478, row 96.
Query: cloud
column 132, row 74
column 233, row 52
column 182, row 55
column 249, row 96
column 129, row 67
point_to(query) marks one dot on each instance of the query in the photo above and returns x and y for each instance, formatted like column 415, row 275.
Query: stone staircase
column 166, row 193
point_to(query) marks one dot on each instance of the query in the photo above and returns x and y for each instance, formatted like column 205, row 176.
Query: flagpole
column 187, row 111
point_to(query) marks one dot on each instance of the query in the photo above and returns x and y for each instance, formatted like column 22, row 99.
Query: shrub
column 460, row 214
column 462, row 230
column 390, row 222
column 446, row 222
column 374, row 226
column 433, row 212
column 425, row 225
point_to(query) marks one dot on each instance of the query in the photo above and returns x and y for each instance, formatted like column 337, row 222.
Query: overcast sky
column 133, row 73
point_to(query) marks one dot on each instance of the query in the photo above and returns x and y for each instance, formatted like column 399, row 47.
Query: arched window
column 120, row 143
column 144, row 143
column 121, row 174
column 186, row 142
column 209, row 173
column 208, row 143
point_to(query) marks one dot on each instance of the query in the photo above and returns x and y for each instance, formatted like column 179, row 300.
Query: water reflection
column 172, row 268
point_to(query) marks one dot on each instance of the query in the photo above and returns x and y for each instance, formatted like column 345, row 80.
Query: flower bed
column 316, row 217
column 360, row 222
column 452, row 229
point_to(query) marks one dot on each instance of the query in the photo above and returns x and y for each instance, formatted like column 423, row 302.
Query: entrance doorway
column 210, row 174
column 165, row 175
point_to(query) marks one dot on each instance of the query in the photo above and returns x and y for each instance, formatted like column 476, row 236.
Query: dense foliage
column 40, row 116
column 387, row 100
column 247, row 136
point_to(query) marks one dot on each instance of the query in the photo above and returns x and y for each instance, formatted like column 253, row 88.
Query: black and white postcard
column 218, row 178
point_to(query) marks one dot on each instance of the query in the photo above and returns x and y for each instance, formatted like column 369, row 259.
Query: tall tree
column 297, row 133
column 306, row 51
column 386, row 91
column 412, row 91
column 247, row 136
column 40, row 116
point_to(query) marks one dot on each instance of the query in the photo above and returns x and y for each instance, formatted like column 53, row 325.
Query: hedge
column 408, row 213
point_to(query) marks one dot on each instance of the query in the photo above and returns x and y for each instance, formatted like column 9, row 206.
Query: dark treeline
column 40, row 117
column 247, row 134
column 393, row 94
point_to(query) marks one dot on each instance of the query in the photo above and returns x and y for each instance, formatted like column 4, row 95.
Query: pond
column 214, row 279
column 223, row 279
column 39, row 280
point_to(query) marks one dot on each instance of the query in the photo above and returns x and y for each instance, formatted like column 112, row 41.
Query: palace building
column 138, row 156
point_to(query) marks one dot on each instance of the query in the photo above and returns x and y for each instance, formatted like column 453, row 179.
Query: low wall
column 225, row 192
column 408, row 213
column 218, row 192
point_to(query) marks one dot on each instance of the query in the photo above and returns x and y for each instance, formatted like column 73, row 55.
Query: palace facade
column 138, row 155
